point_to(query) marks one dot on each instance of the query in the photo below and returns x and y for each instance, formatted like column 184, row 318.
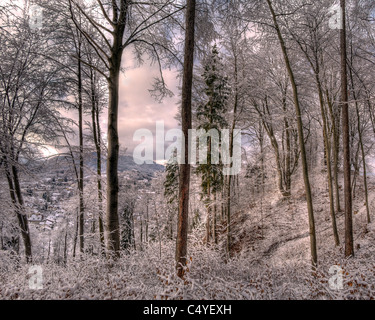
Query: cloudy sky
column 137, row 108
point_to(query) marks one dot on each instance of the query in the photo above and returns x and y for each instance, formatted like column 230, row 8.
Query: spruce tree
column 210, row 116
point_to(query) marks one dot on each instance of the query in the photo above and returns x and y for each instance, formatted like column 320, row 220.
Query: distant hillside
column 125, row 164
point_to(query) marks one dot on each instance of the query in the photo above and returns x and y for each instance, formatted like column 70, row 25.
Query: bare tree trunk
column 112, row 225
column 287, row 169
column 328, row 160
column 349, row 244
column 22, row 218
column 158, row 226
column 184, row 187
column 65, row 247
column 146, row 227
column 76, row 235
column 49, row 250
column 354, row 163
column 141, row 235
column 222, row 197
column 229, row 178
column 363, row 164
column 2, row 236
column 214, row 233
column 132, row 231
column 209, row 213
column 261, row 143
column 228, row 214
column 335, row 149
column 17, row 200
column 97, row 141
column 314, row 255
column 120, row 15
column 80, row 180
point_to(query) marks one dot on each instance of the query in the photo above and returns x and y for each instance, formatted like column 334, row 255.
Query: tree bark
column 17, row 201
column 349, row 243
column 209, row 214
column 336, row 150
column 214, row 233
column 287, row 162
column 97, row 141
column 112, row 225
column 328, row 159
column 76, row 235
column 184, row 186
column 228, row 216
column 229, row 178
column 80, row 180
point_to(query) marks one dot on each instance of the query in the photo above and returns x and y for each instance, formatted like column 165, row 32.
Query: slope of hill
column 64, row 164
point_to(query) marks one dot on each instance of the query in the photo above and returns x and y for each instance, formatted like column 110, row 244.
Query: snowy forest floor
column 272, row 262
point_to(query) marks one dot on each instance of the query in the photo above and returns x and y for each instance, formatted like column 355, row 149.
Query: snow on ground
column 275, row 266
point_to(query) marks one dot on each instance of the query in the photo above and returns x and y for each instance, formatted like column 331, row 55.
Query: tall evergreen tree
column 211, row 117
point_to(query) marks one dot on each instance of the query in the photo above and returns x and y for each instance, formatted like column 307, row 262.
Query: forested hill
column 126, row 164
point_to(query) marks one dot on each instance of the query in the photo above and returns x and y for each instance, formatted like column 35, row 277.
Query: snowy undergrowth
column 147, row 275
column 272, row 263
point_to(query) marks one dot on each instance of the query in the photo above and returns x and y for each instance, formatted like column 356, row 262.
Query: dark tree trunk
column 228, row 215
column 120, row 15
column 349, row 244
column 80, row 179
column 146, row 227
column 287, row 162
column 17, row 200
column 208, row 198
column 335, row 149
column 113, row 244
column 229, row 179
column 76, row 235
column 2, row 236
column 184, row 186
column 65, row 248
column 97, row 141
column 214, row 221
column 22, row 218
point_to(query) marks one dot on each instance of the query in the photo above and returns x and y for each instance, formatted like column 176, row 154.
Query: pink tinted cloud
column 138, row 109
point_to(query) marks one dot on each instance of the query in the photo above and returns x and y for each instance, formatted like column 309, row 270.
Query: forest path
column 275, row 246
column 287, row 231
